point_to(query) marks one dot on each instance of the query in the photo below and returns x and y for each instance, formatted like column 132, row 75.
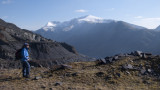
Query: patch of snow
column 50, row 24
column 91, row 18
column 68, row 28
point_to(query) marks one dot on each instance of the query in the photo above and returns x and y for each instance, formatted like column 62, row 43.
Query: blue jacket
column 25, row 54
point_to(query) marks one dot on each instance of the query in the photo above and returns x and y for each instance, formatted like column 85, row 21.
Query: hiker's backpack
column 18, row 55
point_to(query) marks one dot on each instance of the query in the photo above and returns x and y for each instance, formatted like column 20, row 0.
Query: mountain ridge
column 84, row 19
column 99, row 39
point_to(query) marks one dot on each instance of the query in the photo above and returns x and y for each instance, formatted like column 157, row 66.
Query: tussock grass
column 84, row 76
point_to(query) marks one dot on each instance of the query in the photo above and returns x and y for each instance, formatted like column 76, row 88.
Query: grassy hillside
column 87, row 76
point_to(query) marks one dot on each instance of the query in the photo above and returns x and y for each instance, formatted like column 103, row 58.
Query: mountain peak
column 90, row 18
column 50, row 24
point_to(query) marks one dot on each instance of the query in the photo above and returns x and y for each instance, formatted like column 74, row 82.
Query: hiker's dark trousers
column 26, row 68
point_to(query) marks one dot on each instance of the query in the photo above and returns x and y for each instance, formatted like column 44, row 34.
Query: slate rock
column 115, row 58
column 128, row 66
column 143, row 71
column 37, row 77
column 120, row 55
column 138, row 53
column 103, row 60
column 68, row 74
column 148, row 54
column 109, row 59
column 58, row 83
column 128, row 73
column 100, row 74
column 144, row 56
column 149, row 70
column 64, row 66
column 140, row 66
column 74, row 74
column 43, row 86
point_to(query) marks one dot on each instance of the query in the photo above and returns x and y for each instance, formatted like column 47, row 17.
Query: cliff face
column 12, row 38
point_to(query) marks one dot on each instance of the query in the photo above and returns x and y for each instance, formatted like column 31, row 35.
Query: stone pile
column 141, row 54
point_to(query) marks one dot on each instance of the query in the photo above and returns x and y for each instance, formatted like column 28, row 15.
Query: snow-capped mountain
column 50, row 26
column 98, row 37
column 68, row 25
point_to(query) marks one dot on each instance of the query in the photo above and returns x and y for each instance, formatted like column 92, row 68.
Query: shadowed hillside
column 42, row 50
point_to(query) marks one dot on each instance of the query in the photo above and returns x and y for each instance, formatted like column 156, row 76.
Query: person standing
column 24, row 60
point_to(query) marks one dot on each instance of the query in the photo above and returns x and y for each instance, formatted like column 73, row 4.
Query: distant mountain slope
column 41, row 49
column 97, row 37
column 158, row 28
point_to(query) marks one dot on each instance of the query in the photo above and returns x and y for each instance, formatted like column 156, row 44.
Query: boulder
column 37, row 77
column 100, row 74
column 120, row 55
column 58, row 83
column 149, row 70
column 109, row 59
column 127, row 66
column 102, row 61
column 148, row 54
column 144, row 56
column 64, row 66
column 128, row 73
column 138, row 53
column 143, row 71
column 74, row 74
column 115, row 58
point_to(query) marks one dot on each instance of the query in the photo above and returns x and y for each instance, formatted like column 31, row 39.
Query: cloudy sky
column 33, row 14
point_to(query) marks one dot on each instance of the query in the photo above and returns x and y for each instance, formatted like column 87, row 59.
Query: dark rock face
column 45, row 51
column 69, row 48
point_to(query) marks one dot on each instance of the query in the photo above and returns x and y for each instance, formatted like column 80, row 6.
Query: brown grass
column 82, row 76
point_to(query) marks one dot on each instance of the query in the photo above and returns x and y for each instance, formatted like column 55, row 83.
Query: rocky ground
column 125, row 73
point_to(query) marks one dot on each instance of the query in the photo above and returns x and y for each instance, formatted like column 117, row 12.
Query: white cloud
column 150, row 23
column 138, row 17
column 81, row 11
column 6, row 1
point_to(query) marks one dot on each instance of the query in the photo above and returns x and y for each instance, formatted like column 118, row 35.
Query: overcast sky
column 34, row 14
